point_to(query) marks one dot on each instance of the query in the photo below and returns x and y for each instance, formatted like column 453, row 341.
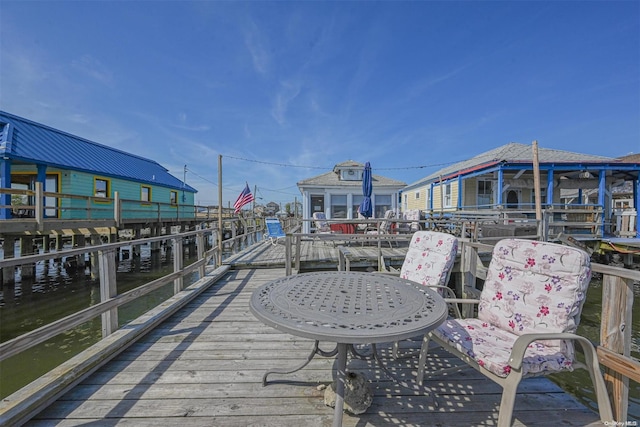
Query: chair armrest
column 462, row 300
column 388, row 273
column 450, row 294
column 523, row 341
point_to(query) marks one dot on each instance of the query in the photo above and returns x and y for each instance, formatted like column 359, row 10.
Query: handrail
column 105, row 208
column 110, row 302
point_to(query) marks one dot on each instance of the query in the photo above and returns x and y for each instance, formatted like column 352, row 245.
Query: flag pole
column 219, row 210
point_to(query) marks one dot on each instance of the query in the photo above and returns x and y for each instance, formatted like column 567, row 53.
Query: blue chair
column 274, row 230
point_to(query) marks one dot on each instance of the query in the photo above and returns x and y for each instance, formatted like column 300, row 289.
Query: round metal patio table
column 347, row 308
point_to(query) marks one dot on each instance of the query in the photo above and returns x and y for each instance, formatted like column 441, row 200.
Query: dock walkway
column 315, row 255
column 204, row 366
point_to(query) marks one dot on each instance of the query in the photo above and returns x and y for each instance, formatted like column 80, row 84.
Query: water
column 578, row 382
column 55, row 292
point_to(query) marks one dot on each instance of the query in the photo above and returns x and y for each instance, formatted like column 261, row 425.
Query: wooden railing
column 116, row 210
column 614, row 343
column 110, row 301
column 27, row 401
column 491, row 225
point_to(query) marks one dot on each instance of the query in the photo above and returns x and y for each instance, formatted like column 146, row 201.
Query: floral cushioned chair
column 528, row 313
column 429, row 262
column 409, row 227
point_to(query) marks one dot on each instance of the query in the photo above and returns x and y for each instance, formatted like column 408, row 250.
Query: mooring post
column 615, row 335
column 178, row 263
column 200, row 241
column 108, row 289
column 8, row 273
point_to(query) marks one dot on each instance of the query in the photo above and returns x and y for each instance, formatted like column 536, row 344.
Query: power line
column 288, row 165
column 201, row 177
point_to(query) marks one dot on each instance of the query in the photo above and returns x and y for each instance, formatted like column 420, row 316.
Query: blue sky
column 285, row 90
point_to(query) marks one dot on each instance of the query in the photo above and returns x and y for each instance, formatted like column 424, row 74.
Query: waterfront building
column 339, row 193
column 32, row 153
column 504, row 179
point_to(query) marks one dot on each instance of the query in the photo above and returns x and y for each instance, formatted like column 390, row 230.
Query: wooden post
column 536, row 182
column 468, row 272
column 201, row 249
column 117, row 209
column 178, row 263
column 219, row 209
column 287, row 254
column 27, row 248
column 615, row 335
column 441, row 198
column 79, row 241
column 9, row 248
column 298, row 250
column 108, row 289
column 95, row 263
column 39, row 206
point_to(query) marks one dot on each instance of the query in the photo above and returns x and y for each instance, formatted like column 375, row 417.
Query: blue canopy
column 366, row 210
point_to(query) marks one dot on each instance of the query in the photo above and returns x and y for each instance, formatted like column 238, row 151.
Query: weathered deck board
column 204, row 367
column 314, row 254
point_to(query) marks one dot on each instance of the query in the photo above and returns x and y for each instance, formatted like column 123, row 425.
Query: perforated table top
column 348, row 307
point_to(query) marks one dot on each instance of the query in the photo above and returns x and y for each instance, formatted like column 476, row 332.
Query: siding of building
column 76, row 163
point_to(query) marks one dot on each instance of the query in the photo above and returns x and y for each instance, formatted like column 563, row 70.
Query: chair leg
column 599, row 386
column 509, row 390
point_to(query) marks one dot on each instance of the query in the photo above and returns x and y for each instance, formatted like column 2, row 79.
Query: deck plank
column 204, row 367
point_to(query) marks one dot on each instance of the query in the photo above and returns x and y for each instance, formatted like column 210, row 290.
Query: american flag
column 244, row 198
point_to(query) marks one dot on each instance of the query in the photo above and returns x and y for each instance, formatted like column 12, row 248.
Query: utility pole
column 184, row 182
column 255, row 194
column 536, row 181
column 219, row 210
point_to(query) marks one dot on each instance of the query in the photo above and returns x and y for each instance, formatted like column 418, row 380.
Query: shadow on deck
column 204, row 365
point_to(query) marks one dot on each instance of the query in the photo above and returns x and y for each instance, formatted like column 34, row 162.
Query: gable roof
column 332, row 179
column 26, row 141
column 514, row 152
column 631, row 158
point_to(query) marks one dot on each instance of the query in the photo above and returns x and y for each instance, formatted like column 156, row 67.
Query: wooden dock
column 204, row 366
column 318, row 255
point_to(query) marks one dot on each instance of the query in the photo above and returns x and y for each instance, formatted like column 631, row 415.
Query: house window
column 357, row 201
column 447, row 196
column 338, row 206
column 101, row 188
column 173, row 198
column 351, row 175
column 145, row 193
column 417, row 195
column 484, row 199
column 383, row 204
column 317, row 204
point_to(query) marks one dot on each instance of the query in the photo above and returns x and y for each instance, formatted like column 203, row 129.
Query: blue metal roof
column 31, row 142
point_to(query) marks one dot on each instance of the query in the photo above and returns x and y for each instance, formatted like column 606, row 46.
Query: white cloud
column 259, row 54
column 93, row 68
column 289, row 90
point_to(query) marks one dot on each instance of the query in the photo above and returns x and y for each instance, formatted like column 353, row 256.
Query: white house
column 339, row 193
